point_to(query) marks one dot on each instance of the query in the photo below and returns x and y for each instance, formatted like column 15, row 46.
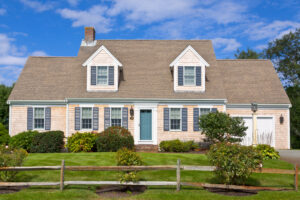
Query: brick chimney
column 89, row 37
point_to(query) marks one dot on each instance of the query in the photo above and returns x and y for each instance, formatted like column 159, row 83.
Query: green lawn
column 100, row 159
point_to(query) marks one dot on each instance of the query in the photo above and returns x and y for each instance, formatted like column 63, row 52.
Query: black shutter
column 184, row 119
column 111, row 75
column 77, row 118
column 29, row 118
column 166, row 119
column 93, row 75
column 47, row 118
column 106, row 117
column 95, row 118
column 125, row 117
column 180, row 75
column 198, row 76
column 196, row 119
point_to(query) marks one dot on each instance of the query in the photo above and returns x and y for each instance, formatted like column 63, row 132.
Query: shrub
column 177, row 146
column 4, row 136
column 267, row 152
column 10, row 157
column 23, row 140
column 126, row 157
column 234, row 163
column 82, row 142
column 220, row 127
column 47, row 142
column 114, row 138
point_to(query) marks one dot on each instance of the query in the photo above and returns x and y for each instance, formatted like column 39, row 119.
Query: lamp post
column 254, row 123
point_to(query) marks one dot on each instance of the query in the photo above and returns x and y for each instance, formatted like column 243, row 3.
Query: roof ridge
column 152, row 40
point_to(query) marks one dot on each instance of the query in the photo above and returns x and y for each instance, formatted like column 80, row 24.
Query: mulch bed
column 118, row 191
column 230, row 192
column 7, row 190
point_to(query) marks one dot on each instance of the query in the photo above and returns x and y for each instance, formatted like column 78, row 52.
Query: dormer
column 189, row 71
column 102, row 71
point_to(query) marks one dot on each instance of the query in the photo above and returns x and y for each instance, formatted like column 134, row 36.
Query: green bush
column 220, row 127
column 47, row 142
column 114, row 138
column 126, row 157
column 177, row 146
column 234, row 163
column 267, row 152
column 23, row 140
column 82, row 142
column 10, row 157
column 4, row 136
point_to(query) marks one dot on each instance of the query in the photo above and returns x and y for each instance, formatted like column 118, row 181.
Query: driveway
column 292, row 156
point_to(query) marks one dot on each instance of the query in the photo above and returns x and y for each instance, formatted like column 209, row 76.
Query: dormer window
column 189, row 76
column 102, row 75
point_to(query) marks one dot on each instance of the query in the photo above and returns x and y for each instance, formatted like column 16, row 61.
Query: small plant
column 177, row 146
column 220, row 127
column 267, row 152
column 234, row 163
column 10, row 157
column 47, row 142
column 126, row 157
column 114, row 138
column 4, row 136
column 82, row 142
column 23, row 140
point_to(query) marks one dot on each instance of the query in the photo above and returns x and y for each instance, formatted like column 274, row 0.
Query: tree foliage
column 4, row 108
column 220, row 127
column 285, row 54
column 248, row 54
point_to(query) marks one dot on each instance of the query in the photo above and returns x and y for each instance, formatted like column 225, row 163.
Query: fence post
column 62, row 169
column 178, row 175
column 296, row 177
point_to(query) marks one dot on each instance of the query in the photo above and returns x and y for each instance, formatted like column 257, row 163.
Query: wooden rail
column 177, row 167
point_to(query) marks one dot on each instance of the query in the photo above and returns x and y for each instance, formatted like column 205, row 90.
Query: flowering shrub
column 82, row 142
column 268, row 152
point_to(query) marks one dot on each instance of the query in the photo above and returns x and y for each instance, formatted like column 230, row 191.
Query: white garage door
column 265, row 131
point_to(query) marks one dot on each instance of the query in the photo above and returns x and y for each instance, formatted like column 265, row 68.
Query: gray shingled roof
column 146, row 74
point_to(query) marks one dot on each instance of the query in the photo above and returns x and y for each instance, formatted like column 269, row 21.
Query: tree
column 4, row 108
column 249, row 54
column 285, row 54
column 220, row 127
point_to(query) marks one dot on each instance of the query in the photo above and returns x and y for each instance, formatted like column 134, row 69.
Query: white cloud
column 2, row 11
column 38, row 6
column 9, row 74
column 261, row 30
column 227, row 44
column 92, row 17
column 39, row 53
column 261, row 46
column 73, row 2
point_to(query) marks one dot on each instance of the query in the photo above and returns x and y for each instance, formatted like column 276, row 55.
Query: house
column 157, row 89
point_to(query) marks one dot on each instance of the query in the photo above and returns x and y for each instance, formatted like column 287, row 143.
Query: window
column 102, row 75
column 86, row 118
column 175, row 119
column 116, row 117
column 189, row 76
column 39, row 118
column 204, row 111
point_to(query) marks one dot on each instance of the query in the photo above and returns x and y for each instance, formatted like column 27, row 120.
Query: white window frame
column 180, row 129
column 33, row 123
column 97, row 69
column 194, row 84
column 210, row 108
column 111, row 117
column 88, row 129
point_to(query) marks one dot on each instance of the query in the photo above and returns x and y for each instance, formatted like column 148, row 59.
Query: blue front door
column 146, row 125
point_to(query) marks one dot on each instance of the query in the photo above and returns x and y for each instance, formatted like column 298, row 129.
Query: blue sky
column 55, row 27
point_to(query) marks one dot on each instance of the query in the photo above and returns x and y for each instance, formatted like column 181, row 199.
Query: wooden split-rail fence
column 177, row 167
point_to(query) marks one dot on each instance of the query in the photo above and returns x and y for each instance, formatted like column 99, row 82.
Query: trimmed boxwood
column 114, row 138
column 177, row 146
column 47, row 142
column 23, row 140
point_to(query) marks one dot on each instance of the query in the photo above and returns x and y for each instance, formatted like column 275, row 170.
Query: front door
column 145, row 124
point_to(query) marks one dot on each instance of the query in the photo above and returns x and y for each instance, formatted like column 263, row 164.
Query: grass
column 87, row 192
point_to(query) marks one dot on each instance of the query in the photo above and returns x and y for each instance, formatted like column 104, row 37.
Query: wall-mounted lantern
column 131, row 113
column 253, row 107
column 281, row 119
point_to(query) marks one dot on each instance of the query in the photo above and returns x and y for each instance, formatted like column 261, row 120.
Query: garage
column 265, row 130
